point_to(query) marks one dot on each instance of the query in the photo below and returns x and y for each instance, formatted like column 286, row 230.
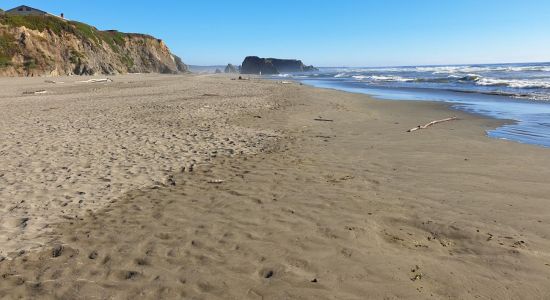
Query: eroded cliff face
column 47, row 45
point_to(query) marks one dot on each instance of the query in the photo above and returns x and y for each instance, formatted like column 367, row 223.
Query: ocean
column 519, row 92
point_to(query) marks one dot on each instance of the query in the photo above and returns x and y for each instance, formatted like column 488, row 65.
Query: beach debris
column 216, row 181
column 93, row 255
column 23, row 222
column 268, row 274
column 519, row 244
column 35, row 92
column 417, row 275
column 171, row 181
column 96, row 80
column 286, row 82
column 431, row 123
column 52, row 81
column 314, row 280
column 331, row 178
column 320, row 119
column 129, row 275
column 57, row 250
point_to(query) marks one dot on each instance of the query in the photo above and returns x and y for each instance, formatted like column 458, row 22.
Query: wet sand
column 352, row 208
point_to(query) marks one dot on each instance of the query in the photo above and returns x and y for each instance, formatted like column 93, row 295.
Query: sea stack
column 230, row 69
column 270, row 66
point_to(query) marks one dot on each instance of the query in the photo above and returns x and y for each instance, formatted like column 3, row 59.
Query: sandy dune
column 354, row 208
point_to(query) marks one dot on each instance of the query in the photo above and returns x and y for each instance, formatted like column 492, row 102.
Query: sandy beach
column 206, row 187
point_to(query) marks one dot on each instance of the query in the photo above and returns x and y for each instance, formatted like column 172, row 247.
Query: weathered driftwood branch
column 96, row 80
column 431, row 123
column 35, row 92
column 323, row 120
column 216, row 181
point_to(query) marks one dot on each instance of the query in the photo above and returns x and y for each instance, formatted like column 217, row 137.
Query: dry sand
column 356, row 208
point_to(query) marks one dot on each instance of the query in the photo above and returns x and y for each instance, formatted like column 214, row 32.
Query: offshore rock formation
column 48, row 45
column 268, row 66
column 231, row 69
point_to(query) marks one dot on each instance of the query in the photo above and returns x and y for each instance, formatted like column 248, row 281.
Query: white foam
column 514, row 83
column 389, row 78
column 284, row 75
column 445, row 69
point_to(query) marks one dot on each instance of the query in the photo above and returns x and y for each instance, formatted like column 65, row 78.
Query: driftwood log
column 432, row 123
column 35, row 92
column 96, row 80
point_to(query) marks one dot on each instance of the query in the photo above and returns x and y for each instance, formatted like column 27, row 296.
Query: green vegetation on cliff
column 114, row 39
column 57, row 25
column 35, row 45
column 39, row 23
column 6, row 49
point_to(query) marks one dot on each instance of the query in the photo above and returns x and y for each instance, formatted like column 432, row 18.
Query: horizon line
column 402, row 66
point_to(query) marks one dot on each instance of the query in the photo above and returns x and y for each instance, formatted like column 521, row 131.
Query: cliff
column 48, row 45
column 266, row 66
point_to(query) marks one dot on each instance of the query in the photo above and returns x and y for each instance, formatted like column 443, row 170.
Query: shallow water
column 519, row 92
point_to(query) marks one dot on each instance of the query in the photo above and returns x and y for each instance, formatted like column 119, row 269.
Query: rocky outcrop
column 47, row 45
column 267, row 66
column 230, row 69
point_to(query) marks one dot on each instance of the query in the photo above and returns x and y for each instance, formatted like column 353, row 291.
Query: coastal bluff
column 269, row 66
column 47, row 45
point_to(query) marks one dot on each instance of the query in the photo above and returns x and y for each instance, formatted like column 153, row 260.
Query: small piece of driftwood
column 216, row 181
column 96, row 80
column 431, row 123
column 53, row 81
column 35, row 92
column 323, row 120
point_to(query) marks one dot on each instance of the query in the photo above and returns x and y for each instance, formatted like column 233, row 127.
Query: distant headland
column 269, row 66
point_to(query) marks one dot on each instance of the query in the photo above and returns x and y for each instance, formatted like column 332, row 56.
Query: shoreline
column 344, row 209
column 448, row 105
column 527, row 126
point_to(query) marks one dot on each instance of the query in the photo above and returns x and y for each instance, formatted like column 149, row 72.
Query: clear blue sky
column 329, row 32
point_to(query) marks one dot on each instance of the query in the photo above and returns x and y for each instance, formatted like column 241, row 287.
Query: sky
column 328, row 32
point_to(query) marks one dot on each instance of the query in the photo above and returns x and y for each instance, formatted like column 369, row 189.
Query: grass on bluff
column 6, row 49
column 57, row 25
column 39, row 23
column 114, row 39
